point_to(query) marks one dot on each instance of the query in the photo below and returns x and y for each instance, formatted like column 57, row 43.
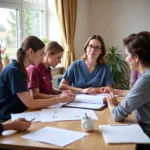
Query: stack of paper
column 55, row 136
column 89, row 101
column 127, row 133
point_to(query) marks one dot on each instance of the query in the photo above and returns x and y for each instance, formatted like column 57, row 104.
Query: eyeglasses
column 96, row 48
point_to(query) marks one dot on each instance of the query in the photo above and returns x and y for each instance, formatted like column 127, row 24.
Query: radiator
column 56, row 80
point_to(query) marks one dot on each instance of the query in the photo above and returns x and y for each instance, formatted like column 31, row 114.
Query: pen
column 119, row 124
column 86, row 116
column 32, row 119
column 77, row 92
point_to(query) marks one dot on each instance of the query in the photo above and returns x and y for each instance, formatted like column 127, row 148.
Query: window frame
column 20, row 5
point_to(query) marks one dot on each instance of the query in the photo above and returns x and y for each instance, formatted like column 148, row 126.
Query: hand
column 66, row 97
column 111, row 100
column 18, row 125
column 88, row 90
column 106, row 90
column 66, row 92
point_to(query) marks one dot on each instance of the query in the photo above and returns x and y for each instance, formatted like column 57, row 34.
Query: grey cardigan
column 137, row 101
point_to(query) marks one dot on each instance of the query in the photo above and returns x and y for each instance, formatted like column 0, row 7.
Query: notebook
column 88, row 101
column 123, row 133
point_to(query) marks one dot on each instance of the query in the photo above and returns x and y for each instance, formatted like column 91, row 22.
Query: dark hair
column 139, row 44
column 29, row 42
column 53, row 47
column 100, row 59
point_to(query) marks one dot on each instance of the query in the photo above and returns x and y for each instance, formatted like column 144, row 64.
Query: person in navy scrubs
column 90, row 73
column 14, row 94
column 20, row 124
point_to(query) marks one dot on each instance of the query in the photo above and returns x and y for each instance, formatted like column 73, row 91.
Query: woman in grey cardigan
column 137, row 100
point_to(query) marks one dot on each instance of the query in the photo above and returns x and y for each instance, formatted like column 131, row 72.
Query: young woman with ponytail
column 14, row 95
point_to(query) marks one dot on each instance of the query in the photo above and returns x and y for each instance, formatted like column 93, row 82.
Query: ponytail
column 20, row 57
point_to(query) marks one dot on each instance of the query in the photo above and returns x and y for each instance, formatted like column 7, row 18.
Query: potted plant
column 5, row 58
column 118, row 67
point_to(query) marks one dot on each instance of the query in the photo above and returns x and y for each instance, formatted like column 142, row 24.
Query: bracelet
column 78, row 92
column 57, row 101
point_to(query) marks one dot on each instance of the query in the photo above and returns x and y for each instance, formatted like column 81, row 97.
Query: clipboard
column 86, row 101
column 86, row 105
column 124, row 133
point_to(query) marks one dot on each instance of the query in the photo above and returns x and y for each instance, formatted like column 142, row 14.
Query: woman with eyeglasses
column 90, row 73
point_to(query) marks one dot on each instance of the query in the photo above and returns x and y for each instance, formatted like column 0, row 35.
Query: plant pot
column 5, row 62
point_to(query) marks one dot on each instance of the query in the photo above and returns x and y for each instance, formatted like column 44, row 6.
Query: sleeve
column 108, row 77
column 33, row 78
column 15, row 81
column 69, row 74
column 1, row 128
column 136, row 98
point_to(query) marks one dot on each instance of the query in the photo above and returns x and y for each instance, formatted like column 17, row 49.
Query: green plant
column 118, row 67
column 45, row 40
column 4, row 53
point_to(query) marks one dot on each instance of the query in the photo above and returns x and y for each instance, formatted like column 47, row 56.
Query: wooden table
column 94, row 141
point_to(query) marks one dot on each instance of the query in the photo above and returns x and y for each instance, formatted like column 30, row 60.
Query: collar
column 43, row 68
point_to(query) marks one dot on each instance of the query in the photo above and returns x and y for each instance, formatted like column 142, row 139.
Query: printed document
column 62, row 114
column 55, row 136
column 27, row 116
column 124, row 133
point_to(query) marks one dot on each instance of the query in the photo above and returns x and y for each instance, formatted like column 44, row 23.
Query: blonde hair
column 53, row 47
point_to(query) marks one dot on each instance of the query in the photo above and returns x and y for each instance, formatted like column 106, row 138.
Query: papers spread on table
column 27, row 115
column 131, row 133
column 60, row 114
column 88, row 101
column 55, row 136
column 56, row 114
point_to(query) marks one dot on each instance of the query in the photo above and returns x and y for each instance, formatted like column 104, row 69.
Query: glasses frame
column 96, row 48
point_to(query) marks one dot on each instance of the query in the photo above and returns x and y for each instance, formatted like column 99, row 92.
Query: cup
column 87, row 124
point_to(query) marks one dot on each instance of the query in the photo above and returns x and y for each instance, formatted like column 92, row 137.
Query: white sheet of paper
column 85, row 105
column 27, row 116
column 60, row 114
column 132, row 133
column 55, row 136
column 92, row 99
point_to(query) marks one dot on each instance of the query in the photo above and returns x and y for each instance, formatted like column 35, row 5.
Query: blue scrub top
column 79, row 76
column 11, row 82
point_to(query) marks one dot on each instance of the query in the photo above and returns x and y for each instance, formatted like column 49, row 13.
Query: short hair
column 100, row 59
column 139, row 44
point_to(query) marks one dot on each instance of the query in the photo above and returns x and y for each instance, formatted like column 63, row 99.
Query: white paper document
column 92, row 99
column 131, row 133
column 55, row 136
column 61, row 114
column 27, row 115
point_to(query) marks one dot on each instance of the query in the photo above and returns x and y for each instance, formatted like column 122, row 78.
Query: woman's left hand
column 66, row 92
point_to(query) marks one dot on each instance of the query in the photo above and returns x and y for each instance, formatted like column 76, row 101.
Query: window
column 21, row 18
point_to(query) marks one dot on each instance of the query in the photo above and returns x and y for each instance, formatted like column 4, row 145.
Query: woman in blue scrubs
column 14, row 94
column 90, row 73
